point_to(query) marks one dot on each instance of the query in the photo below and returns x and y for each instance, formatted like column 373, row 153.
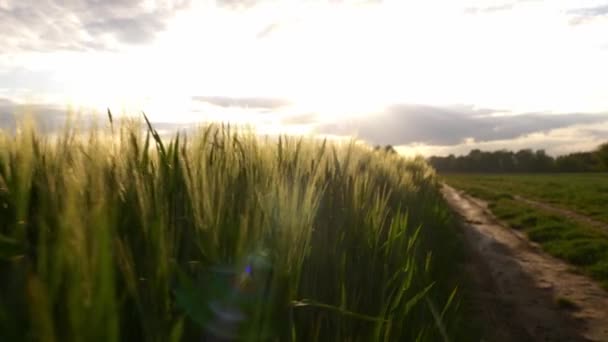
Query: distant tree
column 570, row 163
column 525, row 160
column 543, row 162
column 506, row 161
column 390, row 149
column 602, row 155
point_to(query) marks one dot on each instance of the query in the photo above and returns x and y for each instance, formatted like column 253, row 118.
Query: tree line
column 526, row 160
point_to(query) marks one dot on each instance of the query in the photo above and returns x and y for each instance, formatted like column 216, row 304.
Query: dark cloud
column 81, row 24
column 406, row 124
column 246, row 102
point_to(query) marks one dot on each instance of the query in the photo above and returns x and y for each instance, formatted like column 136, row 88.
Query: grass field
column 585, row 193
column 572, row 240
column 117, row 234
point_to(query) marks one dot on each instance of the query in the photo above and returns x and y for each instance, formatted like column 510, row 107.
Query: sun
column 337, row 61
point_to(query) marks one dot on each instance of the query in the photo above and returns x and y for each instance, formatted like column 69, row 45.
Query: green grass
column 566, row 304
column 584, row 193
column 578, row 243
column 117, row 234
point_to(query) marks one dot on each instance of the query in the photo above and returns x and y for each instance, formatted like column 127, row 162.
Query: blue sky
column 431, row 77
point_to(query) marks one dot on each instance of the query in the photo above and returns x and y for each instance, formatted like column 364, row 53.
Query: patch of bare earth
column 522, row 293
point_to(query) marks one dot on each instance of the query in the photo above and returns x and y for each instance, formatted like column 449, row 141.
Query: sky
column 429, row 77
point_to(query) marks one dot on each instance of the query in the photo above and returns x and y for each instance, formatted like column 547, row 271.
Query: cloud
column 268, row 30
column 32, row 25
column 23, row 78
column 583, row 15
column 591, row 12
column 238, row 4
column 245, row 102
column 497, row 6
column 48, row 118
column 128, row 30
column 407, row 124
column 5, row 103
column 420, row 129
column 560, row 141
column 489, row 9
column 300, row 119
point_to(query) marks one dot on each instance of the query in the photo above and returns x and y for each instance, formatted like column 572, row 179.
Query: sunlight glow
column 340, row 60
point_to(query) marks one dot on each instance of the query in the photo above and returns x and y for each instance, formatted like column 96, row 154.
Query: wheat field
column 116, row 233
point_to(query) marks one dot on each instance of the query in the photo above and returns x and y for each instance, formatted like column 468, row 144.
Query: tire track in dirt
column 520, row 284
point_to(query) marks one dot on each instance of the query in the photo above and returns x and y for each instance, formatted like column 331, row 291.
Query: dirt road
column 522, row 293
